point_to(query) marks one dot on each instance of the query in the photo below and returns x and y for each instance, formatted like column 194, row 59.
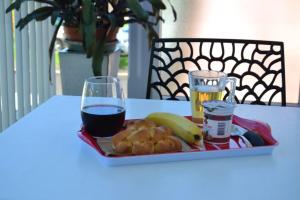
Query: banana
column 181, row 126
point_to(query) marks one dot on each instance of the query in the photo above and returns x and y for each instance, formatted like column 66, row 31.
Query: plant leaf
column 158, row 4
column 17, row 4
column 89, row 38
column 52, row 43
column 137, row 9
column 112, row 19
column 97, row 60
column 173, row 10
column 39, row 14
column 151, row 34
column 88, row 26
column 55, row 15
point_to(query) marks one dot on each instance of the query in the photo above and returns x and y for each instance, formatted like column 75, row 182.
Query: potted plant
column 91, row 15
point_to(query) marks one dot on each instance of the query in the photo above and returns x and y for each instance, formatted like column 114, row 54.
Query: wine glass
column 102, row 106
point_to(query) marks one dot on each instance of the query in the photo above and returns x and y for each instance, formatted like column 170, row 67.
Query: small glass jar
column 217, row 121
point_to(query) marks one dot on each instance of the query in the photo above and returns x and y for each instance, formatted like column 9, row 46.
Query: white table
column 42, row 158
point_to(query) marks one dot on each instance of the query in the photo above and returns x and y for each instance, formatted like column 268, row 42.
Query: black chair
column 257, row 65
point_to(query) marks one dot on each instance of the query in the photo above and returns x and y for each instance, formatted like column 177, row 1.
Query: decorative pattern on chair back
column 258, row 67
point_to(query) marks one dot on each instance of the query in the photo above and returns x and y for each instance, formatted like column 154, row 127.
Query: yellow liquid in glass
column 200, row 95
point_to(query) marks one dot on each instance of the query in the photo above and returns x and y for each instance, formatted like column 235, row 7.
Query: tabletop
column 41, row 157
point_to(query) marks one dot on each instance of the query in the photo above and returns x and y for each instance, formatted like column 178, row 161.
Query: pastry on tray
column 145, row 137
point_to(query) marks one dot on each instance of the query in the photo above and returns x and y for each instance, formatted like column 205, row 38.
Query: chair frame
column 245, row 42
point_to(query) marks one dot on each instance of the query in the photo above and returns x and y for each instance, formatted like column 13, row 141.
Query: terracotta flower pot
column 74, row 34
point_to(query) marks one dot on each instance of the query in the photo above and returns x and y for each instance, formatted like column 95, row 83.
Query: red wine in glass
column 103, row 120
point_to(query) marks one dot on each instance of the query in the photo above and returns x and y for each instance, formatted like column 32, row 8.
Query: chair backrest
column 257, row 65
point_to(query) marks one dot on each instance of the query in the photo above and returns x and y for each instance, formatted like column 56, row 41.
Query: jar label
column 217, row 128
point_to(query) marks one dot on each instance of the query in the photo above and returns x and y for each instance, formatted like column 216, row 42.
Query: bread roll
column 145, row 137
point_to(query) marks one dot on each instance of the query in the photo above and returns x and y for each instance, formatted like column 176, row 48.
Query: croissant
column 145, row 137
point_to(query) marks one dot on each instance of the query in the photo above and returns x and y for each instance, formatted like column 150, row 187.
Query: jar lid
column 218, row 107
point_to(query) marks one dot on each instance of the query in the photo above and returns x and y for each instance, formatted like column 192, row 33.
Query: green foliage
column 138, row 10
column 92, row 14
column 123, row 62
column 88, row 26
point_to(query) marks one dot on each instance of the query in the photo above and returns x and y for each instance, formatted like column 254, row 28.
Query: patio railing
column 24, row 61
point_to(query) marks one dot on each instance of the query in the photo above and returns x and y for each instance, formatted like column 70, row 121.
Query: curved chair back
column 257, row 65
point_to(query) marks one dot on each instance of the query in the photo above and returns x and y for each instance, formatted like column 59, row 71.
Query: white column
column 138, row 63
column 138, row 59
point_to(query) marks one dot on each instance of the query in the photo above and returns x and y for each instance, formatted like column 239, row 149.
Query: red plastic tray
column 236, row 147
